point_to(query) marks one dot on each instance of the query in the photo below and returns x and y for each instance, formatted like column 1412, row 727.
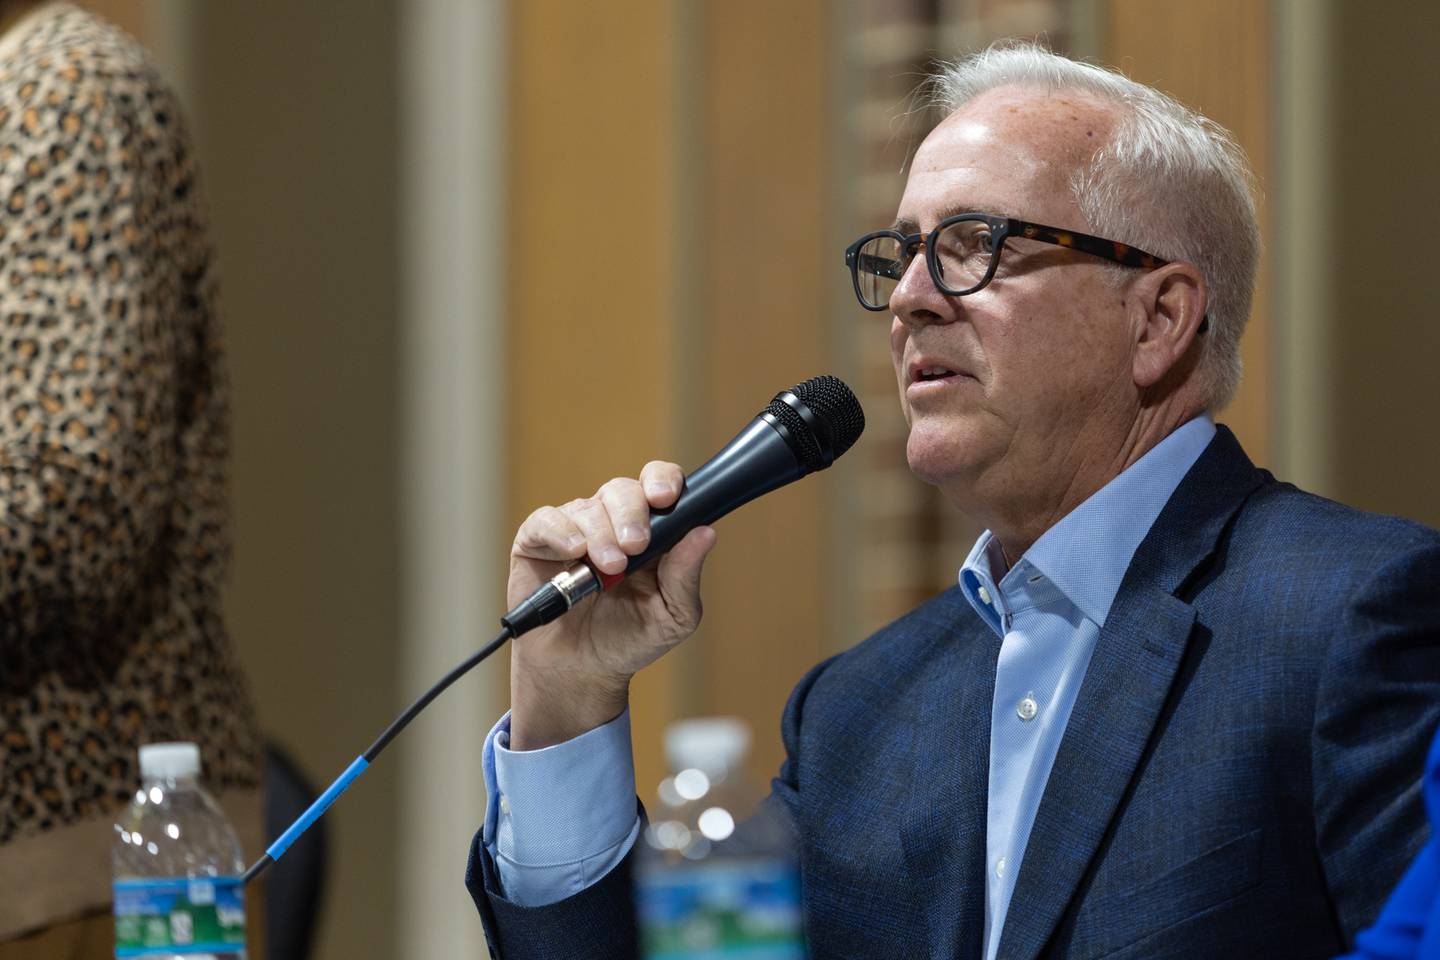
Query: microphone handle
column 757, row 461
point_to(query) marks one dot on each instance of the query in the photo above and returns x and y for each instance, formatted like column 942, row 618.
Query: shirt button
column 984, row 595
column 1026, row 709
column 1000, row 868
column 504, row 805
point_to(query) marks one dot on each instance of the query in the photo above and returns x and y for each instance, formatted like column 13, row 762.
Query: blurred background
column 477, row 256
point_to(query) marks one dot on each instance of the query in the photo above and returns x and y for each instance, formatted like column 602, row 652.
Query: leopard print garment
column 113, row 437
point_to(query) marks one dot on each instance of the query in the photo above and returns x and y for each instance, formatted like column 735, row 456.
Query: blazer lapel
column 941, row 806
column 1136, row 658
column 944, row 833
column 1125, row 687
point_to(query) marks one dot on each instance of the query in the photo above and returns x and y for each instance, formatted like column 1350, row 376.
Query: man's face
column 1042, row 351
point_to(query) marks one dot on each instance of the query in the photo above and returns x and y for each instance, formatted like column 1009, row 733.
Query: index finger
column 662, row 482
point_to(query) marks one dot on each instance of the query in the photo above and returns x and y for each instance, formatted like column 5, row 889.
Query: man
column 1173, row 708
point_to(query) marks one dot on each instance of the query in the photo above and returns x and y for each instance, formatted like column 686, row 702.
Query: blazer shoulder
column 1314, row 576
column 1283, row 522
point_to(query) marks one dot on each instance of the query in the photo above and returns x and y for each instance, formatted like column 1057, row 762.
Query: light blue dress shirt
column 1048, row 610
column 560, row 818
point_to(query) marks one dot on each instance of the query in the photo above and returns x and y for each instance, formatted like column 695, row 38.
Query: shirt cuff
column 558, row 819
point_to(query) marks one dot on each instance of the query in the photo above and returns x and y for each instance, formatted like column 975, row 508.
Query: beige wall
column 1384, row 88
column 295, row 112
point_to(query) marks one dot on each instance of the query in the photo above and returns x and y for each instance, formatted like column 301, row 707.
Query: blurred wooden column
column 1213, row 56
column 763, row 280
column 592, row 236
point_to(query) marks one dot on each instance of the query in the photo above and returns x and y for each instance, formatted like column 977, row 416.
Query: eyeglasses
column 963, row 252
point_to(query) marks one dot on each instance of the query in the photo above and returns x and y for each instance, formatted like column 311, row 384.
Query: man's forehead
column 1067, row 126
column 1003, row 152
column 960, row 128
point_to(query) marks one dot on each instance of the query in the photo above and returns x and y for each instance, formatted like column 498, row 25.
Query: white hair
column 1169, row 181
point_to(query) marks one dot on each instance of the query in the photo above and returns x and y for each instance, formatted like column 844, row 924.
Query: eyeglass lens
column 962, row 255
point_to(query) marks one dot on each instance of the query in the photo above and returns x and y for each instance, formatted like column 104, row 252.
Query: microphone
column 804, row 429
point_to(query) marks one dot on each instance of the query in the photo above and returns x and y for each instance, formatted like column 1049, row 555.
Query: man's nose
column 916, row 301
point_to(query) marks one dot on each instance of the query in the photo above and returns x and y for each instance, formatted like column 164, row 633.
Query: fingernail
column 655, row 488
column 631, row 533
column 611, row 555
column 574, row 541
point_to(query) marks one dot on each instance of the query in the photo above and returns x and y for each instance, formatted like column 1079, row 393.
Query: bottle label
column 181, row 915
column 721, row 911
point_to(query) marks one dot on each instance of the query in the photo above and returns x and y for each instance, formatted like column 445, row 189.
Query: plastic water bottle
column 175, row 866
column 717, row 876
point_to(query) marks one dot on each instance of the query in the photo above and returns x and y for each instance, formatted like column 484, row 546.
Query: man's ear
column 1169, row 307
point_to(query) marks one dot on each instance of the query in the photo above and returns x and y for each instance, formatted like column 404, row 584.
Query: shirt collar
column 1086, row 554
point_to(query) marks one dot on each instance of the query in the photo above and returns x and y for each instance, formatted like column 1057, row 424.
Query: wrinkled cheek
column 897, row 345
column 897, row 360
column 900, row 398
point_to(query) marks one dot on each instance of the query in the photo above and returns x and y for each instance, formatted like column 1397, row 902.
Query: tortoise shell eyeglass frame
column 1001, row 229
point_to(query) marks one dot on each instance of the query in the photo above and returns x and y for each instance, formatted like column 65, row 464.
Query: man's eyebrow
column 902, row 225
column 907, row 226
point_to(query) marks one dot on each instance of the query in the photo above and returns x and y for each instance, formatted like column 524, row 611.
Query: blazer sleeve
column 597, row 923
column 1378, row 705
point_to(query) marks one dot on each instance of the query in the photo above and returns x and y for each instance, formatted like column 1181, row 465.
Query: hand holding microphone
column 573, row 675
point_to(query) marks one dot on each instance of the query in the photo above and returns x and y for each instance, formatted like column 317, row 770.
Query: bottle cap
column 169, row 761
column 712, row 744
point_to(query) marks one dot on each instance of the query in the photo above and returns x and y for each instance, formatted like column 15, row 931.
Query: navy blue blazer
column 1240, row 776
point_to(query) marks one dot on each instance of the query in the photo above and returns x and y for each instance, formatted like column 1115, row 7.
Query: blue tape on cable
column 317, row 809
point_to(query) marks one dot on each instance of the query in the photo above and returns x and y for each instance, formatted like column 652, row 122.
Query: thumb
column 678, row 576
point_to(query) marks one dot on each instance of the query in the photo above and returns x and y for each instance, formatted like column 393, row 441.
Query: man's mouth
column 933, row 373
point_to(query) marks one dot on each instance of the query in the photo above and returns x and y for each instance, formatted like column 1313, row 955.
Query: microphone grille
column 834, row 405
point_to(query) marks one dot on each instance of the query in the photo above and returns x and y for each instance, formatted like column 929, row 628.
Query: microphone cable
column 362, row 762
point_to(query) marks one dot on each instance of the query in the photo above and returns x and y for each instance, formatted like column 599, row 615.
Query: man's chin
column 941, row 458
